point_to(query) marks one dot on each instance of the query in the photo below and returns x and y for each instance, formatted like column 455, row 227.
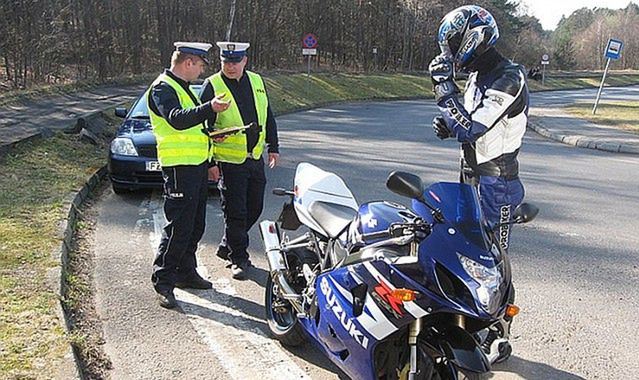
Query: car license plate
column 153, row 166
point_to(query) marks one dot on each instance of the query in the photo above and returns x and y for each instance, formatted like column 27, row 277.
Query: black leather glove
column 441, row 129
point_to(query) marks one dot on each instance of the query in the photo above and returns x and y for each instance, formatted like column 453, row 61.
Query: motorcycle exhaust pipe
column 271, row 239
column 277, row 263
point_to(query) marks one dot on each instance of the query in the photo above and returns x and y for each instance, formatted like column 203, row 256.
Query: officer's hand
column 273, row 160
column 441, row 129
column 219, row 105
column 441, row 69
column 214, row 173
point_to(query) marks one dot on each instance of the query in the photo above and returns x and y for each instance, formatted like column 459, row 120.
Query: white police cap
column 200, row 49
column 232, row 51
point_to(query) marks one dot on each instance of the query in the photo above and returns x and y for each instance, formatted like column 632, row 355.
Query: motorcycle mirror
column 411, row 186
column 121, row 112
column 406, row 184
column 525, row 212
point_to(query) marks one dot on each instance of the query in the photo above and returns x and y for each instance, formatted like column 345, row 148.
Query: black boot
column 194, row 281
column 166, row 299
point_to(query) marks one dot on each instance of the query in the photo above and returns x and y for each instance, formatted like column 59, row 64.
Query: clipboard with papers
column 228, row 131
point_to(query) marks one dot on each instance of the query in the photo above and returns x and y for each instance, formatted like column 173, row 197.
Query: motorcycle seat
column 332, row 217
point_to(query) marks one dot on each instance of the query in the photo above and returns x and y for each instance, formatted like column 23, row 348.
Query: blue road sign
column 613, row 50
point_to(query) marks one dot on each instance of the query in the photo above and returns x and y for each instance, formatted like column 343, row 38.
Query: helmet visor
column 454, row 42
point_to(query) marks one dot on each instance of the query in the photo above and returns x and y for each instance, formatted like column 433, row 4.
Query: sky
column 549, row 12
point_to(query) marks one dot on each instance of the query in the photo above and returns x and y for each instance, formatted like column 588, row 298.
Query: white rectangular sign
column 153, row 166
column 309, row 51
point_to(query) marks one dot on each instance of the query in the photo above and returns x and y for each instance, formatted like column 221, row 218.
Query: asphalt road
column 25, row 119
column 554, row 98
column 575, row 266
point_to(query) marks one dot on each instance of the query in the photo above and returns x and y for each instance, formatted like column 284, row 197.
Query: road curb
column 582, row 141
column 71, row 368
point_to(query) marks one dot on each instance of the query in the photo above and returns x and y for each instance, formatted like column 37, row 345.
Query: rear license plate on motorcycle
column 153, row 166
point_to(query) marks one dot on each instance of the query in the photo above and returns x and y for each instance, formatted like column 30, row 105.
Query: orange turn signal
column 512, row 310
column 404, row 295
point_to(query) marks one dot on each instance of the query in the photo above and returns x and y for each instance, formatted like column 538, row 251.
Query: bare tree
column 53, row 41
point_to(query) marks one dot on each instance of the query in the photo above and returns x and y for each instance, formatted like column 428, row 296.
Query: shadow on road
column 219, row 307
column 242, row 314
column 257, row 275
column 527, row 369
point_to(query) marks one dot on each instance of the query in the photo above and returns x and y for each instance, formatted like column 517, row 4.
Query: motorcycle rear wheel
column 284, row 326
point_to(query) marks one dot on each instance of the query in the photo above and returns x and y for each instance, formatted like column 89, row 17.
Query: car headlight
column 488, row 279
column 123, row 146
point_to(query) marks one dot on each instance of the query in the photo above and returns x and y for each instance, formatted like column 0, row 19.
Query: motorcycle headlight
column 123, row 146
column 488, row 280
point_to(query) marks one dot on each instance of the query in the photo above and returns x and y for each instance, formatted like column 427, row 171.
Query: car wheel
column 120, row 190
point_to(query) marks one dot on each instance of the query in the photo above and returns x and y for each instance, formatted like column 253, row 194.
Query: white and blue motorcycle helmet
column 466, row 33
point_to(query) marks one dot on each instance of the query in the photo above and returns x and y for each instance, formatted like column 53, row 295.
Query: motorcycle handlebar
column 281, row 192
column 400, row 229
column 376, row 235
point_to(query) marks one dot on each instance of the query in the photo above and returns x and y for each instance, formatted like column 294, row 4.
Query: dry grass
column 34, row 179
column 624, row 115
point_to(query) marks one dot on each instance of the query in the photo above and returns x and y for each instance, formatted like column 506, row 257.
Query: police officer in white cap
column 177, row 117
column 239, row 157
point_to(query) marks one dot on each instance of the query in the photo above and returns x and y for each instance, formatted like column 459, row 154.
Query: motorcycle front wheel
column 281, row 317
column 428, row 370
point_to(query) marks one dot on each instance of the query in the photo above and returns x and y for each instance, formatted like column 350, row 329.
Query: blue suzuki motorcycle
column 385, row 291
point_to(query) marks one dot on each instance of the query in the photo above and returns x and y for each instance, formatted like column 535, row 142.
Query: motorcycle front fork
column 414, row 330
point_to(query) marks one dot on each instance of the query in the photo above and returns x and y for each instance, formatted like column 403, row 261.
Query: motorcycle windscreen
column 459, row 203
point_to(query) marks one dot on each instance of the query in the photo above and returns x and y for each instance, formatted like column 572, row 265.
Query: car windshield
column 460, row 205
column 140, row 109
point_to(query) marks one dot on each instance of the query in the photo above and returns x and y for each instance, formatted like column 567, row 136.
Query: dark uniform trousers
column 185, row 195
column 242, row 195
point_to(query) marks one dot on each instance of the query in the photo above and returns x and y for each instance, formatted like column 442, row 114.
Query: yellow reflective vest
column 178, row 147
column 233, row 149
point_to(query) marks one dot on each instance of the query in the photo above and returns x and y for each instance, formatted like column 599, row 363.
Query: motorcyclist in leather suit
column 489, row 120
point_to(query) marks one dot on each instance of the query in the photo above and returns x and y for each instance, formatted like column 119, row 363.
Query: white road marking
column 569, row 234
column 242, row 348
column 624, row 160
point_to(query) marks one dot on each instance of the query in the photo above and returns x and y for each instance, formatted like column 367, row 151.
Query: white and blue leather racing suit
column 490, row 125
